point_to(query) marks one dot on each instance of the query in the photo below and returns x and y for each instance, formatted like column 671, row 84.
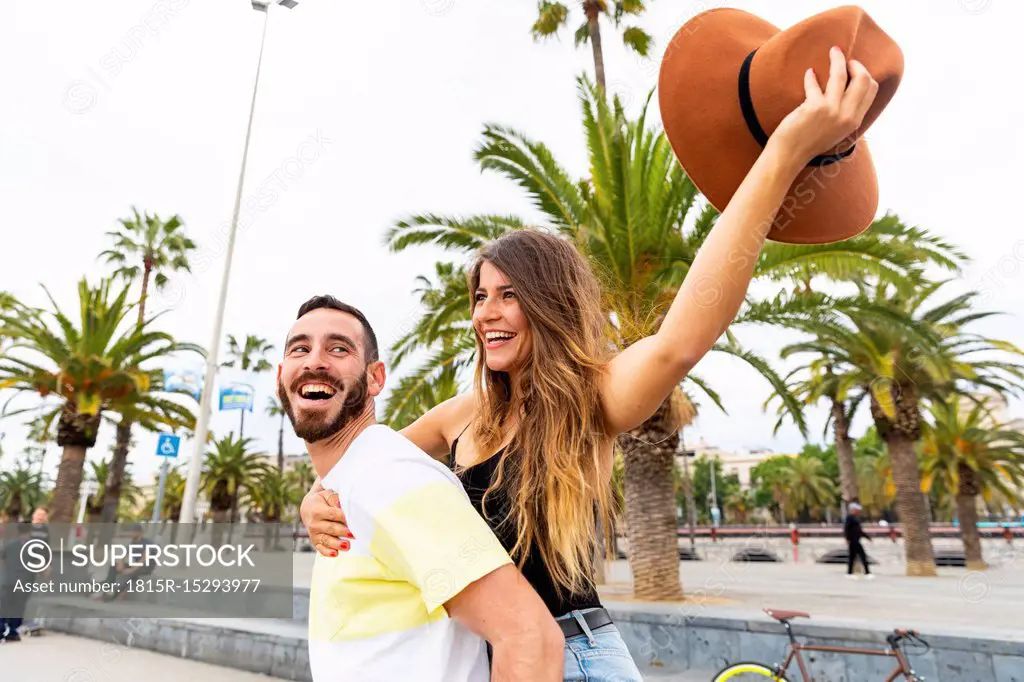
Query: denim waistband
column 581, row 611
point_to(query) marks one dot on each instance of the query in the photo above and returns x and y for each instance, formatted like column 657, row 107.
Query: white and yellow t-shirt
column 376, row 612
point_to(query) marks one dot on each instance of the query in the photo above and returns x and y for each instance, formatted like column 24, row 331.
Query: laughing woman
column 533, row 441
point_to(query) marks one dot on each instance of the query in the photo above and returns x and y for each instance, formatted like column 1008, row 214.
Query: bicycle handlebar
column 900, row 634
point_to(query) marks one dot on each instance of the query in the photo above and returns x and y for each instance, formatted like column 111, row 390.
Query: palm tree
column 21, row 491
column 874, row 474
column 445, row 324
column 150, row 247
column 174, row 494
column 274, row 409
column 270, row 499
column 553, row 16
column 154, row 412
column 902, row 353
column 740, row 503
column 302, row 475
column 146, row 247
column 633, row 220
column 272, row 495
column 95, row 504
column 808, row 488
column 913, row 249
column 230, row 469
column 964, row 455
column 771, row 485
column 85, row 368
column 248, row 357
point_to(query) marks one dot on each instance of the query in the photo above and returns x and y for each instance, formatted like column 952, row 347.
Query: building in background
column 739, row 462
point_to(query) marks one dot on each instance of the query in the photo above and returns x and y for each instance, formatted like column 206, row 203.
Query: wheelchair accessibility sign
column 167, row 445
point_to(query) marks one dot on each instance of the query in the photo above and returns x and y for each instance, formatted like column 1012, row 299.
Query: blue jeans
column 599, row 655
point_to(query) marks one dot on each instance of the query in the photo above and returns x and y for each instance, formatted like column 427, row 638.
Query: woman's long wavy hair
column 551, row 472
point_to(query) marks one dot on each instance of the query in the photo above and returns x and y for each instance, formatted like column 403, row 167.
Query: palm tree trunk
column 900, row 435
column 115, row 478
column 648, row 453
column 593, row 11
column 967, row 512
column 280, row 447
column 76, row 433
column 69, row 481
column 147, row 270
column 13, row 510
column 844, row 452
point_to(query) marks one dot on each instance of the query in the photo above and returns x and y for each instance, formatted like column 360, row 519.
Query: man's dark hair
column 327, row 301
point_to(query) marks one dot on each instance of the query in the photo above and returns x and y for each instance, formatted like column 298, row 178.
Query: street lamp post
column 715, row 513
column 691, row 513
column 195, row 465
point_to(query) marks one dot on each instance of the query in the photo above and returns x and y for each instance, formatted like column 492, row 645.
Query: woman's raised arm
column 643, row 375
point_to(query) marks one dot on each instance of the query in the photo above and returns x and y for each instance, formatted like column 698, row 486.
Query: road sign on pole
column 167, row 445
column 160, row 490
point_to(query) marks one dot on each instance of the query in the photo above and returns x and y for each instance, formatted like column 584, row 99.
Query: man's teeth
column 317, row 388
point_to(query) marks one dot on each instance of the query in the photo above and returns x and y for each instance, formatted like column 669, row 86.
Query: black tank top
column 476, row 479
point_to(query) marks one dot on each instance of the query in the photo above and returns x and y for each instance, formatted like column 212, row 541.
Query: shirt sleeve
column 425, row 530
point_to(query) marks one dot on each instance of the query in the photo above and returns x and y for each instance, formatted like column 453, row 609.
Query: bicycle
column 750, row 670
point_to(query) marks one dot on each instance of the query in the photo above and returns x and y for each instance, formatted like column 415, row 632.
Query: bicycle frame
column 902, row 664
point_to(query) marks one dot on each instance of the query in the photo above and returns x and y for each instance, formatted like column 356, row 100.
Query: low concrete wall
column 278, row 649
column 664, row 640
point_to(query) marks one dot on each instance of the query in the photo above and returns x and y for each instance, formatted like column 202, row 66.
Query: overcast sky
column 368, row 112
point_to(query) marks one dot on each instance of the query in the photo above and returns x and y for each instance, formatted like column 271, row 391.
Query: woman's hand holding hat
column 826, row 119
column 740, row 85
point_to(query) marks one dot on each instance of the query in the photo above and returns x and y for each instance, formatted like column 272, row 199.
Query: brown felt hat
column 728, row 79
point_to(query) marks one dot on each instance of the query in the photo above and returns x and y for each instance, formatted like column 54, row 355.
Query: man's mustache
column 317, row 377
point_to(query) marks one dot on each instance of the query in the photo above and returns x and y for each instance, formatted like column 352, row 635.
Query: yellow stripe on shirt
column 433, row 538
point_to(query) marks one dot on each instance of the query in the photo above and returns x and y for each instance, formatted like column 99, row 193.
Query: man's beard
column 313, row 429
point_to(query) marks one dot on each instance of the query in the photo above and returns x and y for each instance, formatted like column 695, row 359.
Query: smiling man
column 424, row 582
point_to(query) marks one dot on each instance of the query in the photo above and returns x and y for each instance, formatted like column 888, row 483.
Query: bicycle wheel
column 747, row 671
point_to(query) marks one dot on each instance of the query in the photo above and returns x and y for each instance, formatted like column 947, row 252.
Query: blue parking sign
column 167, row 445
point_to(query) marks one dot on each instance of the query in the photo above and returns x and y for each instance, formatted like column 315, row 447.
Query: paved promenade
column 59, row 658
column 54, row 657
column 990, row 599
column 993, row 598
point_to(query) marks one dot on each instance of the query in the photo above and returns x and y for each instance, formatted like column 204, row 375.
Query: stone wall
column 664, row 640
column 667, row 639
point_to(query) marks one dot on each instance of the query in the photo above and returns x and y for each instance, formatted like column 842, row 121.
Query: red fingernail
column 351, row 536
column 332, row 553
column 344, row 545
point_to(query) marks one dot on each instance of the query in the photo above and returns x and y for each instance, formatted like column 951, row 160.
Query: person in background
column 40, row 521
column 12, row 603
column 853, row 532
column 122, row 573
